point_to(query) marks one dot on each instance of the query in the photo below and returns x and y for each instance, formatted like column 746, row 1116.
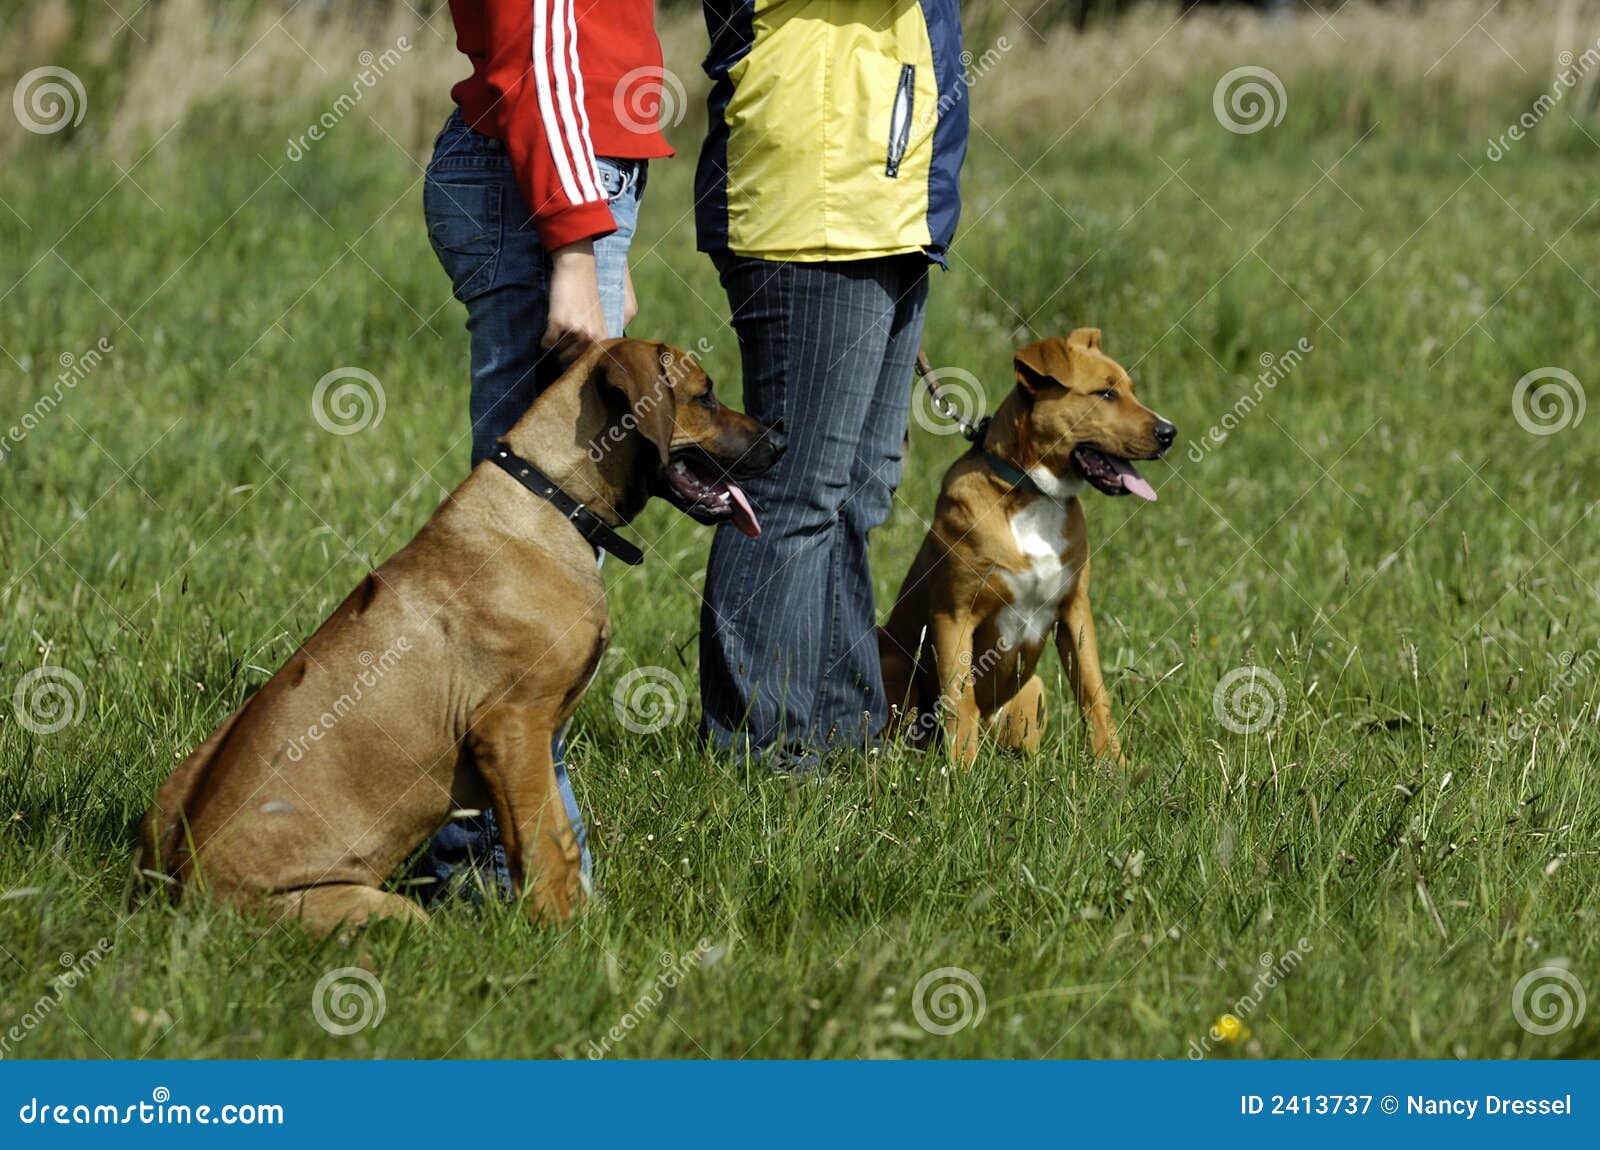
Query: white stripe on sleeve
column 583, row 109
column 547, row 107
column 564, row 53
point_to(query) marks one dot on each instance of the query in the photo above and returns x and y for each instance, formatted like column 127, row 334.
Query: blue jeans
column 483, row 234
column 788, row 639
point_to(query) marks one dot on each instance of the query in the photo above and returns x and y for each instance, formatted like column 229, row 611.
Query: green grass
column 1379, row 534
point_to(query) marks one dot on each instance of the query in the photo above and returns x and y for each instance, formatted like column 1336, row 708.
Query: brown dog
column 1007, row 560
column 438, row 683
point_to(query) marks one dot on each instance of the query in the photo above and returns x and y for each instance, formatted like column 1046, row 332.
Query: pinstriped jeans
column 788, row 643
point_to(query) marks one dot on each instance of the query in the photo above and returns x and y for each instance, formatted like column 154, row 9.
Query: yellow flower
column 1229, row 1028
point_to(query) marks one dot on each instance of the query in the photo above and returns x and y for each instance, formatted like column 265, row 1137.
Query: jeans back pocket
column 464, row 229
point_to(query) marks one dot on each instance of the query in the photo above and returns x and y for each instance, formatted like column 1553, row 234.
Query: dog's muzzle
column 708, row 491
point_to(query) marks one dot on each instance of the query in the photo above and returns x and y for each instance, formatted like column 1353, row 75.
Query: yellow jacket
column 837, row 128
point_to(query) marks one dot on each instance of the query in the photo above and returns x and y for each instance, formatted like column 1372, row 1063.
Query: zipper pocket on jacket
column 900, row 120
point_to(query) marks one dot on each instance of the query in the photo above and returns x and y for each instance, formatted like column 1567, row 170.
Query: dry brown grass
column 1120, row 77
column 182, row 57
column 1123, row 78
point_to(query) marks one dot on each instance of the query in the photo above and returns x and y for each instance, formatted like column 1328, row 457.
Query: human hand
column 575, row 315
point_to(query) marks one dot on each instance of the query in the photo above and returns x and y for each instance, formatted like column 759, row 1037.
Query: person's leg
column 507, row 303
column 485, row 238
column 624, row 182
column 851, row 683
column 812, row 340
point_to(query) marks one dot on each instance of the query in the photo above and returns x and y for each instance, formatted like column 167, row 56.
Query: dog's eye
column 1109, row 393
column 707, row 400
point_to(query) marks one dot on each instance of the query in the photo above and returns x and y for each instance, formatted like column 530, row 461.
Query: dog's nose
column 775, row 438
column 1165, row 433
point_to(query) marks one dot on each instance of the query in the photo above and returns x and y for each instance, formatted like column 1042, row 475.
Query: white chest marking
column 1052, row 484
column 1040, row 531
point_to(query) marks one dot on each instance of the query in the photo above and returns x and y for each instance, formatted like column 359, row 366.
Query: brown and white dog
column 1007, row 560
column 438, row 683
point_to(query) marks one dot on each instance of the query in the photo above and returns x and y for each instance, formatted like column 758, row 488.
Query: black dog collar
column 1009, row 472
column 596, row 530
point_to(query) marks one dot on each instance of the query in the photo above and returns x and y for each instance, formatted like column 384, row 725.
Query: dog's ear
column 1041, row 365
column 1088, row 337
column 642, row 374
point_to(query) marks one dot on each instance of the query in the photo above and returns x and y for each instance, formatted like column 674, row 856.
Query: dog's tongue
column 1132, row 481
column 744, row 516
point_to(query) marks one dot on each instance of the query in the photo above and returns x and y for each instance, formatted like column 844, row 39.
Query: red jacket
column 560, row 82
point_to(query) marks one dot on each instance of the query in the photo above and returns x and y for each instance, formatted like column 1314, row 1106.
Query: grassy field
column 1380, row 842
